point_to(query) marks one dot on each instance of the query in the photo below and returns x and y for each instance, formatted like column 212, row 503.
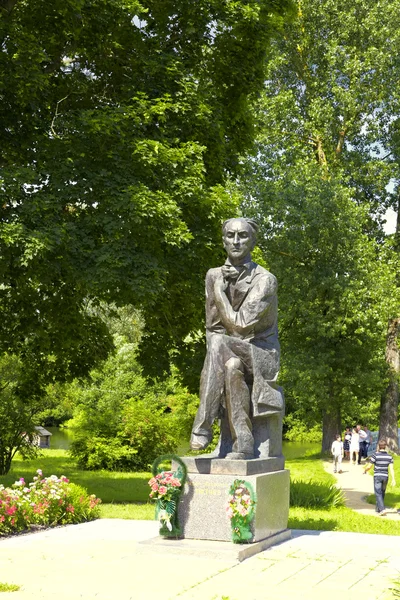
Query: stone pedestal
column 202, row 509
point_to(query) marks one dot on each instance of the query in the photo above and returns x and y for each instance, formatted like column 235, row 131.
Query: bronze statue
column 238, row 381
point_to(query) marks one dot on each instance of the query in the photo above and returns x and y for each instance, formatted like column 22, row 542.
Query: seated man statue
column 238, row 381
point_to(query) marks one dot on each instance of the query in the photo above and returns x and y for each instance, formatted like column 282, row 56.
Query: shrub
column 47, row 501
column 144, row 433
column 312, row 494
column 99, row 452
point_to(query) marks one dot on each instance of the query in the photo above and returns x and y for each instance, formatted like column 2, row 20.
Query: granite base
column 224, row 551
column 202, row 509
column 221, row 466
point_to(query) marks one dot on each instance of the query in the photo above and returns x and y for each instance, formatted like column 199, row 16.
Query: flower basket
column 166, row 488
column 240, row 510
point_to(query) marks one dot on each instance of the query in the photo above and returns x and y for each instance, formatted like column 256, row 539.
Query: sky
column 390, row 225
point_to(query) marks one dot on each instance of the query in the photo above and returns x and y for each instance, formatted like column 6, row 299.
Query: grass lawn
column 9, row 587
column 125, row 495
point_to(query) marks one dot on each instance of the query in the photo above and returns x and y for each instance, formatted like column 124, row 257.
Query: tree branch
column 340, row 144
column 55, row 117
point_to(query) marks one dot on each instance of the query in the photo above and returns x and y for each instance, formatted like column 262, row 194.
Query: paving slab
column 107, row 560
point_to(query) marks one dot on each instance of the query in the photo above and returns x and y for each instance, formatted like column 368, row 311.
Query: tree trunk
column 388, row 421
column 390, row 401
column 331, row 426
column 5, row 461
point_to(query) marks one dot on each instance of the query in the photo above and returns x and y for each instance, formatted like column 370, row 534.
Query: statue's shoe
column 239, row 456
column 199, row 442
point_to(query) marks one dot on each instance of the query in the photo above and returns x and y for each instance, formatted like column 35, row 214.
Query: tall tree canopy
column 119, row 122
column 319, row 185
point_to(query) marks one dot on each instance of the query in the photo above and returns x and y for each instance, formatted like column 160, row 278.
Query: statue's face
column 238, row 239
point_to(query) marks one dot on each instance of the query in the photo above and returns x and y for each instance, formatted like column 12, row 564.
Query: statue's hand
column 229, row 272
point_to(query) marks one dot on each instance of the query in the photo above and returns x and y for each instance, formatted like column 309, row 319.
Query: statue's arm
column 258, row 302
column 213, row 318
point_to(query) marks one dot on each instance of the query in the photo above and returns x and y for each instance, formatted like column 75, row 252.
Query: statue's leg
column 211, row 392
column 237, row 396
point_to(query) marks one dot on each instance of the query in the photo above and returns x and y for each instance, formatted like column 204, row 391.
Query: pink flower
column 229, row 512
column 152, row 481
column 162, row 490
column 155, row 487
column 242, row 510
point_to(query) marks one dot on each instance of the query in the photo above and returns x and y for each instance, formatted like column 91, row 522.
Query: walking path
column 105, row 560
column 356, row 487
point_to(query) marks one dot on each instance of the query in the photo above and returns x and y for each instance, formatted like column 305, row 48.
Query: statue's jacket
column 253, row 298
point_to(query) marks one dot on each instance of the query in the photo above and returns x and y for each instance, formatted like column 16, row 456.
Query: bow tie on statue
column 231, row 273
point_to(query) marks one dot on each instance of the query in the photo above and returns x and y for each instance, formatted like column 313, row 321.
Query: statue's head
column 239, row 236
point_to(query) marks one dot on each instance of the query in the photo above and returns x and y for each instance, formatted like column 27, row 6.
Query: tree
column 120, row 122
column 16, row 413
column 318, row 185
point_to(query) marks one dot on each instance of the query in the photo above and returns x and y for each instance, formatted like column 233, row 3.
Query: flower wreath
column 166, row 488
column 240, row 510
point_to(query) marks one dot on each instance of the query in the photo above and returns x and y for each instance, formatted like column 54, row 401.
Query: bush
column 144, row 434
column 47, row 501
column 312, row 494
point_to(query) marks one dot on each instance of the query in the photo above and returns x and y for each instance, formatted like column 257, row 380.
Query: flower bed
column 47, row 501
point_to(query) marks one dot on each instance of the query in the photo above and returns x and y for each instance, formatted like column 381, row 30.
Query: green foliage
column 9, row 587
column 166, row 488
column 122, row 420
column 318, row 185
column 142, row 434
column 311, row 494
column 16, row 412
column 120, row 121
column 297, row 428
column 240, row 510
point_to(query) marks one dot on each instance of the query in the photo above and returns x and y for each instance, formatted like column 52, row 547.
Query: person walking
column 367, row 441
column 346, row 443
column 337, row 453
column 362, row 437
column 354, row 445
column 383, row 465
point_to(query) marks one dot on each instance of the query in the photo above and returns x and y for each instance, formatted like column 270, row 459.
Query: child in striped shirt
column 383, row 465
